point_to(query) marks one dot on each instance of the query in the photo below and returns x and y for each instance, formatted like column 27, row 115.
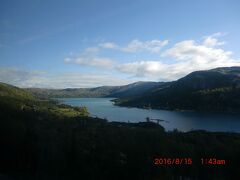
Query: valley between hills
column 211, row 90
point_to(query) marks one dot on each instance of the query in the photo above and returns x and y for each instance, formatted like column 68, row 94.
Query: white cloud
column 108, row 45
column 20, row 77
column 10, row 74
column 91, row 50
column 89, row 57
column 152, row 46
column 90, row 61
column 28, row 79
column 211, row 41
column 80, row 80
column 142, row 68
column 187, row 56
column 154, row 70
column 190, row 50
column 177, row 61
column 133, row 46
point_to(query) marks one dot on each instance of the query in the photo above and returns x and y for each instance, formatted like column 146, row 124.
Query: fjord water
column 183, row 121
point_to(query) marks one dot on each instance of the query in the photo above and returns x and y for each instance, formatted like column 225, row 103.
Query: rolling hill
column 212, row 90
column 14, row 99
column 103, row 91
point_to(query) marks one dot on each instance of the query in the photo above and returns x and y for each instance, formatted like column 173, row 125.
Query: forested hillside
column 212, row 90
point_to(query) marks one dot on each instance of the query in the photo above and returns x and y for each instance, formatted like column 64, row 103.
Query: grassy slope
column 17, row 99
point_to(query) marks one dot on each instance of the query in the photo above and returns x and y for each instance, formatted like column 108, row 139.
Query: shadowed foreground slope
column 44, row 141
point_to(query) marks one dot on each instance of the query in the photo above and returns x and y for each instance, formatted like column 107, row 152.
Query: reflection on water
column 184, row 121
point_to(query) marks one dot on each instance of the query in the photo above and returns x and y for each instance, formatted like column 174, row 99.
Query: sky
column 90, row 43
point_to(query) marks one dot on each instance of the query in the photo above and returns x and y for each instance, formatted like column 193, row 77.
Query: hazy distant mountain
column 103, row 91
column 134, row 89
column 216, row 90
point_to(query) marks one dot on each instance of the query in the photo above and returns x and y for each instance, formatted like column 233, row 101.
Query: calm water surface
column 183, row 121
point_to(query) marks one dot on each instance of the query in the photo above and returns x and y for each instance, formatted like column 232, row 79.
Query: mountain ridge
column 136, row 88
column 216, row 89
column 210, row 90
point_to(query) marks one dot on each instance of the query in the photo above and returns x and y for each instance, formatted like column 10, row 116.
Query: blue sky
column 88, row 43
